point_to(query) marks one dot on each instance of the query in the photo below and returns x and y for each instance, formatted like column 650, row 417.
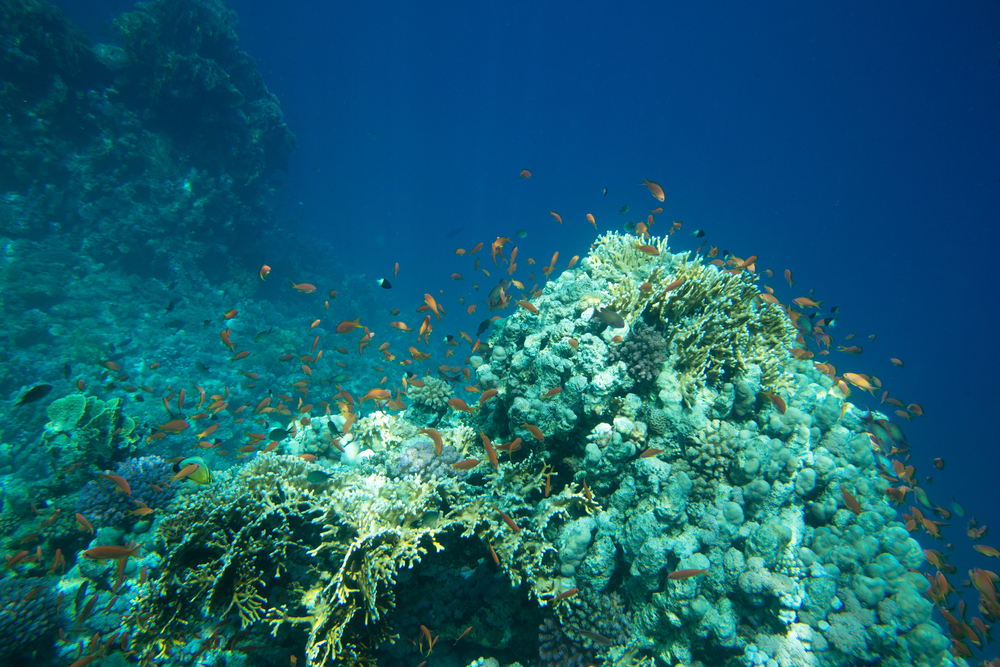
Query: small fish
column 483, row 326
column 650, row 250
column 623, row 209
column 525, row 173
column 521, row 233
column 630, row 227
column 112, row 552
column 262, row 335
column 610, row 317
column 384, row 284
column 897, row 362
column 264, row 270
column 654, row 189
column 169, row 306
column 194, row 469
column 317, row 477
column 556, row 216
column 36, row 393
column 678, row 575
column 698, row 233
column 590, row 219
column 604, row 193
column 305, row 288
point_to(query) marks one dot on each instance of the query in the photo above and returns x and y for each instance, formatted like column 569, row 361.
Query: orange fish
column 535, row 432
column 264, row 270
column 229, row 314
column 239, row 355
column 572, row 261
column 305, row 288
column 112, row 552
column 647, row 249
column 83, row 523
column 432, row 304
column 850, row 501
column 376, row 395
column 525, row 173
column 459, row 404
column 456, row 276
column 590, row 217
column 788, row 277
column 395, row 270
column 487, row 395
column 556, row 216
column 490, row 452
column 315, row 324
column 654, row 189
column 528, row 306
column 436, row 438
column 471, row 309
column 551, row 392
column 174, row 426
column 400, row 326
column 348, row 326
column 650, row 452
column 657, row 210
column 806, row 302
column 119, row 482
column 479, row 246
column 467, row 464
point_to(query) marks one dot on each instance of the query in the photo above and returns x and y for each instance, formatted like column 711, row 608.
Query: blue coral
column 148, row 476
column 24, row 617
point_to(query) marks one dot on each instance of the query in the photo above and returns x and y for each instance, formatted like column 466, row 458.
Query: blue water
column 855, row 144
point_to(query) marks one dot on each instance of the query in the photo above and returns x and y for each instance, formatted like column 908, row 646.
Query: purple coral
column 149, row 478
column 418, row 458
column 590, row 623
column 25, row 613
column 642, row 351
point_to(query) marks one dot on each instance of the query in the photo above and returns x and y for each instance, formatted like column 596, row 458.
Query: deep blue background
column 854, row 143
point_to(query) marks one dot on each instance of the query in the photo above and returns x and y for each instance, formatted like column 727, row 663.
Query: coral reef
column 149, row 480
column 27, row 612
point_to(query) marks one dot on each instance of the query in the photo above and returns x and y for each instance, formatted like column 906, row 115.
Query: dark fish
column 169, row 306
column 81, row 593
column 629, row 226
column 483, row 326
column 111, row 348
column 262, row 335
column 605, row 193
column 698, row 233
column 175, row 324
column 521, row 233
column 332, row 427
column 205, row 323
column 610, row 316
column 67, row 370
column 173, row 284
column 125, row 343
column 201, row 367
column 278, row 434
column 36, row 393
column 624, row 209
column 384, row 284
column 317, row 477
column 455, row 232
column 449, row 338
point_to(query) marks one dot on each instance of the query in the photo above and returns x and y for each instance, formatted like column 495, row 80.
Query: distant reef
column 149, row 155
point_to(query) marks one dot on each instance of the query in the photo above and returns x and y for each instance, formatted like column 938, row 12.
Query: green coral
column 336, row 546
column 716, row 326
column 83, row 429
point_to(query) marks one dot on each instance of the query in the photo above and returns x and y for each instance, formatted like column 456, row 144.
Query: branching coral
column 716, row 326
